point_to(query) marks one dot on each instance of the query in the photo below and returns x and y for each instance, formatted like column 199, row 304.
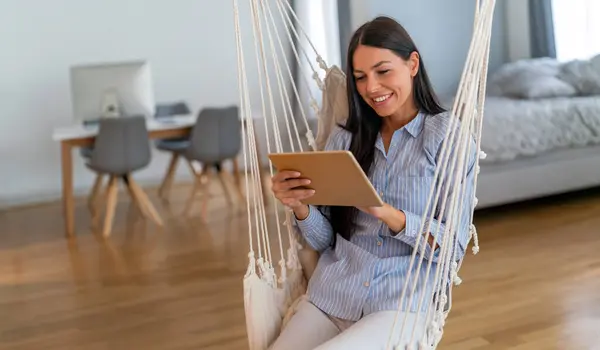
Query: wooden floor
column 535, row 284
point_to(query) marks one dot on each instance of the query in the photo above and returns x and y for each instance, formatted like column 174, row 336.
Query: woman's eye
column 384, row 71
column 358, row 78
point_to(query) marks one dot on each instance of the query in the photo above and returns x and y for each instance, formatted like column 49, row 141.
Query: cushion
column 334, row 109
column 530, row 79
column 582, row 75
column 173, row 145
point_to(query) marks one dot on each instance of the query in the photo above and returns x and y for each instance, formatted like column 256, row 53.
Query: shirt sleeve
column 437, row 226
column 316, row 229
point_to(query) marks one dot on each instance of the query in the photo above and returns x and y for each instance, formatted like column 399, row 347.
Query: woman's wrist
column 301, row 212
column 395, row 219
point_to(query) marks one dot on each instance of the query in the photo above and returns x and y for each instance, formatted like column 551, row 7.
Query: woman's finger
column 284, row 175
column 290, row 184
column 296, row 194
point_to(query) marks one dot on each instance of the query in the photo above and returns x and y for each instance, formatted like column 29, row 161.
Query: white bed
column 555, row 172
column 546, row 139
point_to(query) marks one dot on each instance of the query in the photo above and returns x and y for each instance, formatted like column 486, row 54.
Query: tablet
column 336, row 177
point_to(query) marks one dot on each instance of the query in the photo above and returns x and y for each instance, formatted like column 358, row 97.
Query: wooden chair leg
column 144, row 202
column 165, row 187
column 93, row 197
column 223, row 181
column 200, row 182
column 238, row 180
column 111, row 203
column 133, row 195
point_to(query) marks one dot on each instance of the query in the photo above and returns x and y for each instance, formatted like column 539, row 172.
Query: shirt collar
column 414, row 128
column 416, row 125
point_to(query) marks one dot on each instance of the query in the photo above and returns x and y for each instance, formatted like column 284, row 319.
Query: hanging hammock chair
column 273, row 289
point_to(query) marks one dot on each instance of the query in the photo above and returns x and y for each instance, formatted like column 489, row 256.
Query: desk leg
column 67, row 187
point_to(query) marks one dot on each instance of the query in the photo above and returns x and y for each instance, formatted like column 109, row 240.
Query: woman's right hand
column 284, row 187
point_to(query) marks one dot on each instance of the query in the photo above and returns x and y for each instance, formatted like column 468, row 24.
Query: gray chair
column 121, row 148
column 171, row 109
column 215, row 138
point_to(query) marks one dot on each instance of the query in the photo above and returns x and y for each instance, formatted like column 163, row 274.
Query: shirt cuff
column 311, row 224
column 412, row 228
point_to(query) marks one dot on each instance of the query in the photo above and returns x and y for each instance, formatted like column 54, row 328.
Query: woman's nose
column 372, row 85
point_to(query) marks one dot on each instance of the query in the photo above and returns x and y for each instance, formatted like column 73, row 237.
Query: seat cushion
column 173, row 145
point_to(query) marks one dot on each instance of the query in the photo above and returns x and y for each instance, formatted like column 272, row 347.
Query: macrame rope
column 450, row 264
column 262, row 69
column 320, row 60
column 242, row 95
column 282, row 85
column 475, row 48
column 293, row 28
column 450, row 174
column 284, row 96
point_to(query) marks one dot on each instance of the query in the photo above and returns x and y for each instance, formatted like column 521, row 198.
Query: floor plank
column 534, row 285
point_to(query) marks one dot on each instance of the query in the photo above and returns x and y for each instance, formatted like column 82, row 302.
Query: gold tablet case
column 336, row 177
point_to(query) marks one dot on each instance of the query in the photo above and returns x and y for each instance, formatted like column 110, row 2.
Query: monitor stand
column 110, row 105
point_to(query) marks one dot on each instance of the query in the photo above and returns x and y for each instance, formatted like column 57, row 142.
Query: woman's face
column 384, row 79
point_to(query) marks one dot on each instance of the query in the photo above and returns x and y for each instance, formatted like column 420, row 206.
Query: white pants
column 311, row 329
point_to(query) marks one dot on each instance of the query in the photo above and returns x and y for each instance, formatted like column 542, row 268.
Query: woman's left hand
column 395, row 219
column 377, row 212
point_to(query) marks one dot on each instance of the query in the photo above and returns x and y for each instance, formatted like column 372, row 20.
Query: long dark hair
column 363, row 123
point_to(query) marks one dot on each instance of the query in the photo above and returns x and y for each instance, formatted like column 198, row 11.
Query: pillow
column 531, row 86
column 530, row 79
column 583, row 75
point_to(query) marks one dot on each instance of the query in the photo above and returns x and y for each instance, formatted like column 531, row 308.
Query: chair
column 120, row 149
column 172, row 109
column 215, row 138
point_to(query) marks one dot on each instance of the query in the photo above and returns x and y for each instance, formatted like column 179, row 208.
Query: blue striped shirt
column 367, row 273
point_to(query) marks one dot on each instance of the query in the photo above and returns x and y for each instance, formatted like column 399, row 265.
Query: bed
column 541, row 131
column 538, row 148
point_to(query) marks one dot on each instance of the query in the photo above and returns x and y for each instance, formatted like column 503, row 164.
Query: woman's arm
column 313, row 223
column 405, row 225
column 315, row 227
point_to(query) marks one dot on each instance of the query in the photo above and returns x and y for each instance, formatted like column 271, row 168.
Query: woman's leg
column 373, row 332
column 307, row 329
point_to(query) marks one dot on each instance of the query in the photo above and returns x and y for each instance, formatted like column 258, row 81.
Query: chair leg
column 238, row 179
column 165, row 187
column 223, row 181
column 111, row 203
column 93, row 196
column 143, row 202
column 199, row 183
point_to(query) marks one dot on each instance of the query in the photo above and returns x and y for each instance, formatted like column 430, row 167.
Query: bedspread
column 515, row 128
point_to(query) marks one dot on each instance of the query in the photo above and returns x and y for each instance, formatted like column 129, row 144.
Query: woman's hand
column 395, row 219
column 285, row 187
column 377, row 212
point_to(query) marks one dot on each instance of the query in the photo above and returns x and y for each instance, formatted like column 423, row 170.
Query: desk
column 82, row 136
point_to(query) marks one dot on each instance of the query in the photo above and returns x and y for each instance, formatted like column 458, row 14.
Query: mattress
column 520, row 129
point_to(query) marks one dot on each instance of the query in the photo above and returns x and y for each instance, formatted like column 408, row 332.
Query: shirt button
column 381, row 193
column 379, row 243
column 366, row 283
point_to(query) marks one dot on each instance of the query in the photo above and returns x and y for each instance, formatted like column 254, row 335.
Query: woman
column 395, row 129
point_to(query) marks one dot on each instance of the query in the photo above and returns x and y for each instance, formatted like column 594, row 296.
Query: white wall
column 517, row 29
column 190, row 44
column 442, row 30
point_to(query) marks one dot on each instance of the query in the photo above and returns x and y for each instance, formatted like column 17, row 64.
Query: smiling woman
column 395, row 129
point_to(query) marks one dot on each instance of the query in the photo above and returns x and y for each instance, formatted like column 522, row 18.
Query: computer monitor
column 111, row 90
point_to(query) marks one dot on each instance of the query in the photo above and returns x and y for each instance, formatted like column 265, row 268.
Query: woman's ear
column 413, row 62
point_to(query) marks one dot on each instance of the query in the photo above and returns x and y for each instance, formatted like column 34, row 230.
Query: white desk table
column 83, row 136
